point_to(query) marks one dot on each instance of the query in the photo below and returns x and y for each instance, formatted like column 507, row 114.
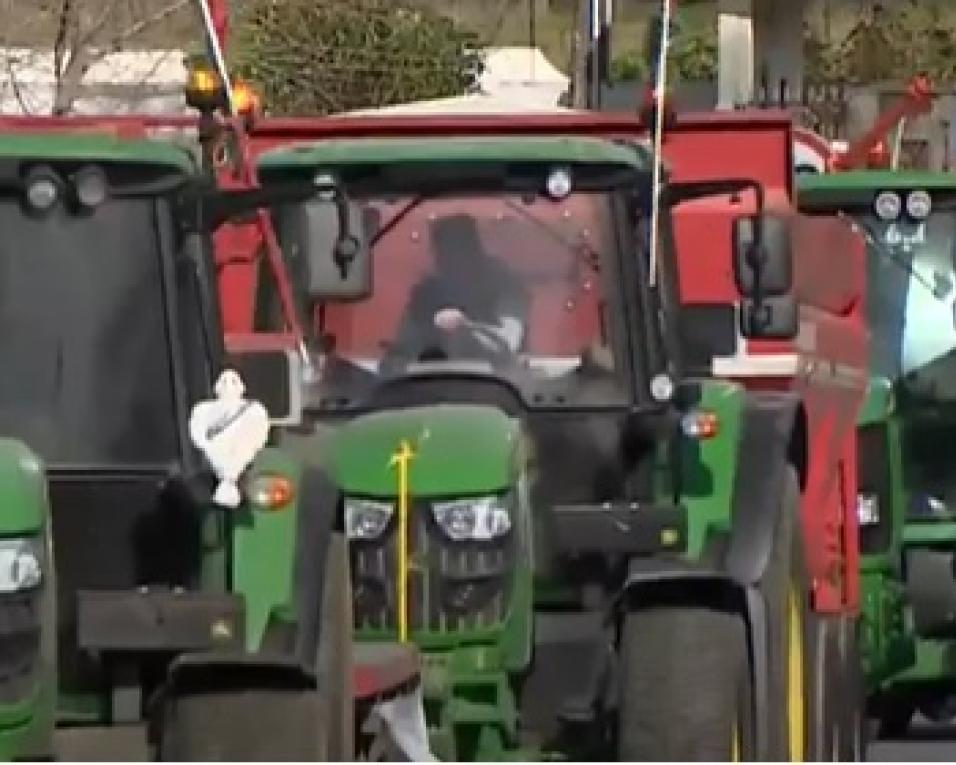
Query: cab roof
column 94, row 147
column 870, row 180
column 450, row 150
column 859, row 187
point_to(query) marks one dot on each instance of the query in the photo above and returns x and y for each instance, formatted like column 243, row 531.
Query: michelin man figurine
column 230, row 431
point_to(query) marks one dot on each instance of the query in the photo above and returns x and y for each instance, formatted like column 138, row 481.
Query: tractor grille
column 19, row 644
column 452, row 586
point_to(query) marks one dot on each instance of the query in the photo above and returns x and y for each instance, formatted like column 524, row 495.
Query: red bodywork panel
column 825, row 365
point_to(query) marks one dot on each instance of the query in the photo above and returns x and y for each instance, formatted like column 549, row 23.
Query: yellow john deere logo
column 400, row 460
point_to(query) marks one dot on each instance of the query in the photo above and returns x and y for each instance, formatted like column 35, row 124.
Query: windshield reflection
column 504, row 285
column 911, row 294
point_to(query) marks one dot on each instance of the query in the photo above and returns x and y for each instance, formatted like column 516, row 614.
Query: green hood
column 22, row 490
column 459, row 450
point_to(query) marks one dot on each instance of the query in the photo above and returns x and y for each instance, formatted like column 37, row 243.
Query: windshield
column 911, row 293
column 85, row 356
column 521, row 287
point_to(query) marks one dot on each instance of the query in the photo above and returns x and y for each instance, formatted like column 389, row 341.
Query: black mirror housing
column 762, row 256
column 773, row 318
column 330, row 263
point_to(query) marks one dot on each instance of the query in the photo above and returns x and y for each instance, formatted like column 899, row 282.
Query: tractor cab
column 111, row 336
column 491, row 274
column 907, row 496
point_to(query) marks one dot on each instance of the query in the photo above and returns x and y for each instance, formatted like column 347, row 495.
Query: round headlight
column 888, row 206
column 559, row 183
column 90, row 186
column 42, row 189
column 919, row 204
column 366, row 519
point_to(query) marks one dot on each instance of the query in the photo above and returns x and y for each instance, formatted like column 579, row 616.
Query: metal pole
column 215, row 49
column 657, row 177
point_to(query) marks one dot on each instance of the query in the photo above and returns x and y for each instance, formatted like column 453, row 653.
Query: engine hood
column 458, row 450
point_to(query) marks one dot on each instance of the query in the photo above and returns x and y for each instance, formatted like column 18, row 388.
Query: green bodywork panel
column 23, row 493
column 708, row 466
column 452, row 151
column 264, row 548
column 94, row 147
column 459, row 451
column 879, row 404
column 935, row 664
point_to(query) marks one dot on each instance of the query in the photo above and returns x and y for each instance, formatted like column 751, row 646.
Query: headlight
column 888, row 206
column 473, row 519
column 867, row 509
column 366, row 518
column 919, row 204
column 20, row 565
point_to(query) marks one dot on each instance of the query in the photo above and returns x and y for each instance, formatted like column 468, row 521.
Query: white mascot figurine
column 230, row 431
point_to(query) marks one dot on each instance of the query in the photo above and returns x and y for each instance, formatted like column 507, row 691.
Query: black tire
column 685, row 686
column 854, row 727
column 822, row 643
column 785, row 577
column 334, row 660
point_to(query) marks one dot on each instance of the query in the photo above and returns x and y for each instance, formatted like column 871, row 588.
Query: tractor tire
column 334, row 660
column 895, row 717
column 786, row 593
column 854, row 726
column 685, row 686
column 823, row 705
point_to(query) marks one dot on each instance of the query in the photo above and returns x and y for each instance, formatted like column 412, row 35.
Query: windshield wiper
column 886, row 252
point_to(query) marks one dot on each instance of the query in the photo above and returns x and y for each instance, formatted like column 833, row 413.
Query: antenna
column 659, row 98
column 215, row 49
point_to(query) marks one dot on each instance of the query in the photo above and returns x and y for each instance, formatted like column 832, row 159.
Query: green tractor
column 27, row 605
column 121, row 584
column 597, row 554
column 907, row 495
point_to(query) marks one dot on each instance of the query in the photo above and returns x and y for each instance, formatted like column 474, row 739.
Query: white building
column 120, row 83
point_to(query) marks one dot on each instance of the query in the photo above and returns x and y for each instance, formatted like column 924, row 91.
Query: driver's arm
column 513, row 313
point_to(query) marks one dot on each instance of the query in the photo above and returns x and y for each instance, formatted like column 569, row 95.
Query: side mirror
column 326, row 242
column 772, row 318
column 763, row 257
column 274, row 378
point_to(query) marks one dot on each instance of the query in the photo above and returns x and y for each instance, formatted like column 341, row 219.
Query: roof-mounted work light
column 90, row 187
column 42, row 188
column 204, row 89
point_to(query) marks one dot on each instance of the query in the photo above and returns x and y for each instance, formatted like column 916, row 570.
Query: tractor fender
column 654, row 582
column 772, row 438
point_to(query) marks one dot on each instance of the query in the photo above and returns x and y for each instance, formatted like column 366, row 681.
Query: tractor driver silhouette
column 471, row 306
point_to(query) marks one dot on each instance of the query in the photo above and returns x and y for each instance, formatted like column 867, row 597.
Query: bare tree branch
column 15, row 86
column 151, row 20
